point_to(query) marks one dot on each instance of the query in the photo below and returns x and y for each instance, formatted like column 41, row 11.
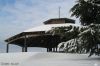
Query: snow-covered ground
column 47, row 59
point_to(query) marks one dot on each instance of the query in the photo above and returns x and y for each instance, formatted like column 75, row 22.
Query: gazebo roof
column 59, row 21
column 36, row 31
column 49, row 27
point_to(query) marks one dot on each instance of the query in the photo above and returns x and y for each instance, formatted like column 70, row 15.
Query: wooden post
column 22, row 49
column 47, row 50
column 56, row 49
column 50, row 49
column 25, row 43
column 7, row 49
column 53, row 49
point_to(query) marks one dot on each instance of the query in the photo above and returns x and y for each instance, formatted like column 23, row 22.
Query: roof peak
column 59, row 21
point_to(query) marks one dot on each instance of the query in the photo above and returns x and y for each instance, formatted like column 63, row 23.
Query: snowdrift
column 47, row 59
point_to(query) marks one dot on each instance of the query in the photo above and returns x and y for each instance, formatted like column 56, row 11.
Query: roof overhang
column 37, row 36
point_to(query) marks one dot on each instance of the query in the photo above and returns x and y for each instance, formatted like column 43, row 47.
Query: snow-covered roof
column 48, row 27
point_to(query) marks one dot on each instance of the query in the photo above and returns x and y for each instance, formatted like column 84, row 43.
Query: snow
column 48, row 27
column 61, row 46
column 70, row 45
column 47, row 59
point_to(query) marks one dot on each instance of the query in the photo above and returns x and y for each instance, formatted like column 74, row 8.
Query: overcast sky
column 19, row 15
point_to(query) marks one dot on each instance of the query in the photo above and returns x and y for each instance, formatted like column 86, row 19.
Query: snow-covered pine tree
column 85, row 39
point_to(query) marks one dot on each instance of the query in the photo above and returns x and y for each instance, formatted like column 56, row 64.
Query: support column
column 56, row 49
column 7, row 49
column 25, row 43
column 53, row 49
column 22, row 49
column 47, row 50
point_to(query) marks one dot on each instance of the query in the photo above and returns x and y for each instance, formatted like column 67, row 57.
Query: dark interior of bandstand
column 37, row 39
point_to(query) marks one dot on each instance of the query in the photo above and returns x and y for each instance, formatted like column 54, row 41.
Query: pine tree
column 84, row 39
column 88, row 11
